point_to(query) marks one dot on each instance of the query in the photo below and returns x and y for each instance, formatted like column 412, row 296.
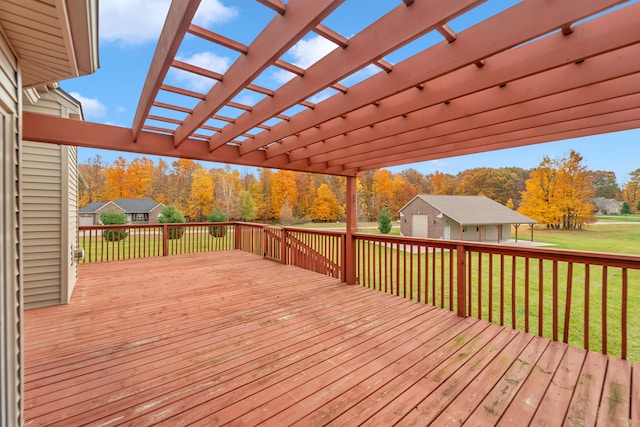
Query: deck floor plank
column 229, row 338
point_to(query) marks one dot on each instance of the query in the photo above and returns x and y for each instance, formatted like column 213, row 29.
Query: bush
column 113, row 218
column 384, row 221
column 217, row 216
column 171, row 215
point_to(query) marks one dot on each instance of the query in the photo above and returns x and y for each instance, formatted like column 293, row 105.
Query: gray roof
column 136, row 205
column 92, row 207
column 602, row 202
column 475, row 210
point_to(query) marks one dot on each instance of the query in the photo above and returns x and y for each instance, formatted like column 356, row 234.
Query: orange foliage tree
column 325, row 206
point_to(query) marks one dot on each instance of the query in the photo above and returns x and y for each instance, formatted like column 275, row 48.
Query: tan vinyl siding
column 44, row 238
column 11, row 389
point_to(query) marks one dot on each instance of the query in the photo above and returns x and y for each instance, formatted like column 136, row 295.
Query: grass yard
column 426, row 277
column 616, row 237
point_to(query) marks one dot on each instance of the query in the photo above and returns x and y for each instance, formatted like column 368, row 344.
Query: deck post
column 283, row 246
column 165, row 239
column 237, row 236
column 349, row 258
column 461, row 256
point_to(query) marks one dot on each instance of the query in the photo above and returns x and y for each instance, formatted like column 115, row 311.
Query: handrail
column 578, row 297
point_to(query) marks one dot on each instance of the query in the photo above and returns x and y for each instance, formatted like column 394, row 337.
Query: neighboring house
column 90, row 214
column 606, row 206
column 49, row 177
column 471, row 218
column 139, row 211
column 40, row 43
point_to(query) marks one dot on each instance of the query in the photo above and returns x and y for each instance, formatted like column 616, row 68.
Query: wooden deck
column 229, row 338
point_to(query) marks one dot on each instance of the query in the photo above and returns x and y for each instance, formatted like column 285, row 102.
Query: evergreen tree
column 384, row 221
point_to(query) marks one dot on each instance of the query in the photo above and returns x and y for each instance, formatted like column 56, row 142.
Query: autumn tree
column 382, row 189
column 180, row 180
column 403, row 191
column 443, row 183
column 605, row 184
column 325, row 206
column 115, row 179
column 631, row 192
column 248, row 208
column 283, row 193
column 417, row 181
column 159, row 183
column 93, row 174
column 558, row 193
column 227, row 187
column 200, row 201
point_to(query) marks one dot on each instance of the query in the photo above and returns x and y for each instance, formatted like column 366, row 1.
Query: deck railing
column 581, row 298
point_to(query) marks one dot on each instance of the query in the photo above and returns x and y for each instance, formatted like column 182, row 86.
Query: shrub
column 384, row 221
column 171, row 215
column 217, row 216
column 113, row 218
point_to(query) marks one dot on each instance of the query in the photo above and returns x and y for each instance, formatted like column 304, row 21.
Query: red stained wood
column 228, row 337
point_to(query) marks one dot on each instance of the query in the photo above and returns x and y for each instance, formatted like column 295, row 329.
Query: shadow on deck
column 217, row 338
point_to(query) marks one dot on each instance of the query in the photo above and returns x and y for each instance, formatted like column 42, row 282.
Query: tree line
column 294, row 197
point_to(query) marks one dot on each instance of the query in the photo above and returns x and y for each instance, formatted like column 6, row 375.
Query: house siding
column 11, row 375
column 50, row 178
column 419, row 206
column 153, row 214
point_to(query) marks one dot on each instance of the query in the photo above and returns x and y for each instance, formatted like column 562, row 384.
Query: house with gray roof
column 139, row 211
column 606, row 206
column 470, row 218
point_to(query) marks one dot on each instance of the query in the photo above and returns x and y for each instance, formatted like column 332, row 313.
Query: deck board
column 210, row 339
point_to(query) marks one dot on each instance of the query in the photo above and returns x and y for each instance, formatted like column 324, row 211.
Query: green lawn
column 600, row 237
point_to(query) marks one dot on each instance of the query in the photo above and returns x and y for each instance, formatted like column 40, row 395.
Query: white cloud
column 139, row 21
column 304, row 54
column 91, row 107
column 206, row 60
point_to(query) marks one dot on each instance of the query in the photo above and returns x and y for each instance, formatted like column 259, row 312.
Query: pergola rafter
column 398, row 27
column 593, row 38
column 619, row 89
column 535, row 72
column 282, row 33
column 474, row 44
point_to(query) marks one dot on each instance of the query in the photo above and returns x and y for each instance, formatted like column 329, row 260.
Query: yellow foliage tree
column 201, row 195
column 325, row 206
column 557, row 193
column 282, row 193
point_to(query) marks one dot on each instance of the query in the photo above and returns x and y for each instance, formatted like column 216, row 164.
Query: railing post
column 283, row 247
column 461, row 256
column 165, row 239
column 237, row 236
column 350, row 241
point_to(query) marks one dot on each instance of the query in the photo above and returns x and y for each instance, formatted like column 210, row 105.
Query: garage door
column 419, row 225
column 86, row 219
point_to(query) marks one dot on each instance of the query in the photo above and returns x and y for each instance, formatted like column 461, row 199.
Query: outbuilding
column 470, row 218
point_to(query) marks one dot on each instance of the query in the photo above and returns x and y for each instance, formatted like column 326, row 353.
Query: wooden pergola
column 539, row 71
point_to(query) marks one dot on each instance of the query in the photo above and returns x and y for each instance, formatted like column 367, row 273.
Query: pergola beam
column 176, row 25
column 430, row 154
column 616, row 92
column 624, row 109
column 395, row 29
column 591, row 38
column 282, row 33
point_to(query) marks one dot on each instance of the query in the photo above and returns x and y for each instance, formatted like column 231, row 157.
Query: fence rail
column 581, row 298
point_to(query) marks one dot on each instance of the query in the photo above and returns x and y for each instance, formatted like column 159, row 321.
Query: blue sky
column 129, row 30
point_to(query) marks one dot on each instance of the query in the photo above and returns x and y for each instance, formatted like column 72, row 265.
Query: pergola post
column 350, row 242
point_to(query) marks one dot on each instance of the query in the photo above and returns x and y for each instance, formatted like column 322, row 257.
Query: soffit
column 53, row 39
